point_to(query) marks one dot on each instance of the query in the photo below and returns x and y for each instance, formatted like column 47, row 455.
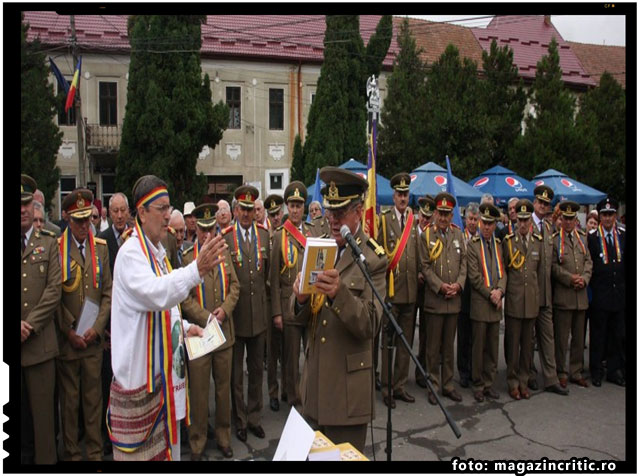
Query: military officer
column 86, row 277
column 41, row 289
column 544, row 322
column 249, row 247
column 398, row 235
column 606, row 324
column 444, row 266
column 426, row 209
column 287, row 252
column 488, row 280
column 522, row 251
column 273, row 203
column 341, row 321
column 571, row 271
column 214, row 298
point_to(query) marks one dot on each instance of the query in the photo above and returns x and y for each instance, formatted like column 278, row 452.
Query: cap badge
column 444, row 202
column 207, row 213
column 403, row 183
column 21, row 188
column 486, row 212
column 296, row 192
column 333, row 191
column 569, row 210
column 544, row 194
column 523, row 208
column 273, row 204
column 608, row 205
column 80, row 202
column 249, row 197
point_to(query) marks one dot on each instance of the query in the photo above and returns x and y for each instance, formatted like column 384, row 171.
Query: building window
column 66, row 118
column 67, row 185
column 233, row 101
column 313, row 97
column 276, row 109
column 108, row 188
column 275, row 181
column 108, row 100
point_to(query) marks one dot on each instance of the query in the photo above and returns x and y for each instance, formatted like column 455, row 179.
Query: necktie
column 402, row 223
column 119, row 240
column 247, row 237
column 180, row 257
column 81, row 249
column 489, row 251
column 609, row 240
column 23, row 240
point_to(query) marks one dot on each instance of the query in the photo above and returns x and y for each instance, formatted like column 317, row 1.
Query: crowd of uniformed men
column 541, row 278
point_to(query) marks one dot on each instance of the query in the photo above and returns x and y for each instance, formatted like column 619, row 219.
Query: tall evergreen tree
column 40, row 137
column 551, row 138
column 401, row 145
column 602, row 116
column 169, row 116
column 503, row 103
column 455, row 123
column 297, row 162
column 336, row 128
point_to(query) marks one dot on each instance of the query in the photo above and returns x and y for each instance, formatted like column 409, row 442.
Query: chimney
column 547, row 20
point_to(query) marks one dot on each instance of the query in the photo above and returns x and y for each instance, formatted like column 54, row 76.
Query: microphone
column 346, row 234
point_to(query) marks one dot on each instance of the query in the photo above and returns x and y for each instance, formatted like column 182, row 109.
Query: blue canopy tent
column 565, row 188
column 385, row 192
column 503, row 184
column 431, row 179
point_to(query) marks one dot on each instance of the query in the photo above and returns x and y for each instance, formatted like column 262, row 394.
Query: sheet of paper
column 88, row 316
column 296, row 439
column 210, row 341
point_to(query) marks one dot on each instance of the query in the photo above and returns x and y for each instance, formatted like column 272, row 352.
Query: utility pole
column 81, row 165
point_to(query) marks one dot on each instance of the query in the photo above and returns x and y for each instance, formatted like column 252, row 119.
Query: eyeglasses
column 94, row 216
column 162, row 208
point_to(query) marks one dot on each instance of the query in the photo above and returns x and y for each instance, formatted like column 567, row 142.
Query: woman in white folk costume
column 149, row 391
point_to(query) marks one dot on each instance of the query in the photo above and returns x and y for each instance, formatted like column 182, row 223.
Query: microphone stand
column 392, row 328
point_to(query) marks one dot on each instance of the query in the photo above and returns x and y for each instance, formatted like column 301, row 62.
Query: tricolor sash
column 486, row 266
column 65, row 252
column 396, row 254
column 603, row 244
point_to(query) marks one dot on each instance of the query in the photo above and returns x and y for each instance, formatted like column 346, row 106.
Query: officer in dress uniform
column 287, row 252
column 444, row 266
column 606, row 324
column 341, row 321
column 427, row 207
column 214, row 298
column 40, row 285
column 86, row 277
column 488, row 280
column 571, row 271
column 273, row 203
column 522, row 252
column 398, row 235
column 249, row 247
column 544, row 322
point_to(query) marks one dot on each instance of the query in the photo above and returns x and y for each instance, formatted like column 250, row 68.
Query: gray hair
column 38, row 206
column 145, row 184
column 511, row 200
column 176, row 214
column 223, row 202
column 315, row 202
column 38, row 196
column 472, row 207
column 119, row 194
column 487, row 198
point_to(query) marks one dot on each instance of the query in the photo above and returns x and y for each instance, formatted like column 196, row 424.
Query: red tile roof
column 596, row 59
column 529, row 37
column 284, row 37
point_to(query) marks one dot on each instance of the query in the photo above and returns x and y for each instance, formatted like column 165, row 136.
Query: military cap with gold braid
column 205, row 215
column 427, row 205
column 246, row 195
column 524, row 208
column 295, row 192
column 400, row 182
column 569, row 208
column 78, row 204
column 543, row 193
column 27, row 188
column 445, row 202
column 273, row 204
column 342, row 187
column 489, row 213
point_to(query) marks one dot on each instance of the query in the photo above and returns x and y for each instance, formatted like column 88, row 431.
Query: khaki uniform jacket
column 449, row 267
column 405, row 275
column 337, row 380
column 191, row 309
column 482, row 309
column 40, row 285
column 250, row 316
column 573, row 262
column 544, row 278
column 321, row 226
column 282, row 278
column 523, row 296
column 75, row 293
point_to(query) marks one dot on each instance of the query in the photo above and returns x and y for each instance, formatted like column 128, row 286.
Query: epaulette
column 555, row 234
column 453, row 225
column 581, row 232
column 538, row 235
column 100, row 241
column 622, row 228
column 388, row 210
column 47, row 233
column 280, row 228
column 379, row 250
column 325, row 235
column 475, row 238
column 260, row 225
column 498, row 240
column 593, row 231
column 226, row 230
column 126, row 234
column 187, row 250
column 171, row 230
column 319, row 217
column 509, row 236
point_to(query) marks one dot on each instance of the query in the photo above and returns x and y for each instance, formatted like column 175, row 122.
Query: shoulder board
column 509, row 236
column 555, row 234
column 621, row 227
column 453, row 225
column 475, row 238
column 498, row 240
column 581, row 232
column 320, row 217
column 379, row 250
column 171, row 230
column 388, row 210
column 101, row 241
column 47, row 233
column 260, row 225
column 538, row 236
column 227, row 230
column 280, row 228
column 325, row 235
column 187, row 250
column 547, row 225
column 591, row 232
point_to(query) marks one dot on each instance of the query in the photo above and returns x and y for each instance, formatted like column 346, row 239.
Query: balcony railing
column 104, row 138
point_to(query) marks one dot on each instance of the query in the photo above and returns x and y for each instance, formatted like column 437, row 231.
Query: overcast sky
column 596, row 29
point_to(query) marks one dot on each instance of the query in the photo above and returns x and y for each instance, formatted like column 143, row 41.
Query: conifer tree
column 297, row 162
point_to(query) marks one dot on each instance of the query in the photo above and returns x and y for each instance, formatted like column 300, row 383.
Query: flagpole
column 81, row 163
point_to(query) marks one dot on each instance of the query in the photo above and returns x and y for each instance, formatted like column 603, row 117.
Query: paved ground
column 588, row 423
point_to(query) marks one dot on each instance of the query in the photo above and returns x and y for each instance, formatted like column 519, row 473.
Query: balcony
column 103, row 139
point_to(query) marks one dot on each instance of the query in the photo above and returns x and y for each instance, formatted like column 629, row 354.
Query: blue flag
column 316, row 194
column 63, row 84
column 457, row 219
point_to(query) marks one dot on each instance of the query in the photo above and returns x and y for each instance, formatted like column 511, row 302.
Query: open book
column 210, row 341
column 319, row 255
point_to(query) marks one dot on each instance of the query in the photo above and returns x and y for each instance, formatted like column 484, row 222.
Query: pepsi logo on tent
column 512, row 182
column 413, row 177
column 539, row 182
column 364, row 176
column 566, row 183
column 440, row 180
column 481, row 181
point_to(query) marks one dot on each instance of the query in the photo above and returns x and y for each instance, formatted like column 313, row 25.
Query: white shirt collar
column 400, row 215
column 27, row 235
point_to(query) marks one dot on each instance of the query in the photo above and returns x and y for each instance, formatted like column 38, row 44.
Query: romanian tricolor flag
column 370, row 216
column 74, row 85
